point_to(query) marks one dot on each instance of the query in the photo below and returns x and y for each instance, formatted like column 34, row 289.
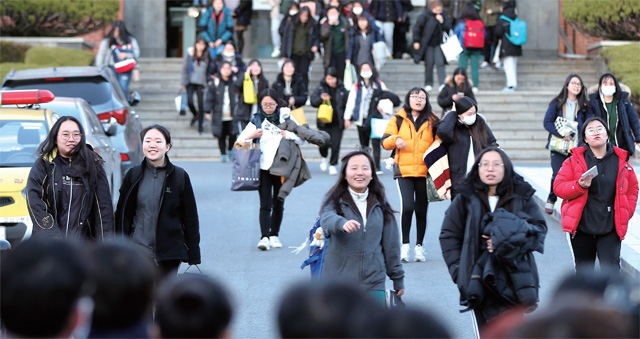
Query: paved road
column 256, row 280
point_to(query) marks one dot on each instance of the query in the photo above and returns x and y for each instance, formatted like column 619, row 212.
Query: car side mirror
column 111, row 128
column 134, row 98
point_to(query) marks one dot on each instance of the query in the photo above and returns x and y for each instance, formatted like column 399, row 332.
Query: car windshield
column 95, row 89
column 19, row 141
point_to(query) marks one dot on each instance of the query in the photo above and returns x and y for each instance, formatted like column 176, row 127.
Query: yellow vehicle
column 22, row 127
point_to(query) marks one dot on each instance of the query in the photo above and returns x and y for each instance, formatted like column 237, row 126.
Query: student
column 119, row 45
column 263, row 127
column 597, row 209
column 221, row 102
column 331, row 88
column 157, row 208
column 361, row 39
column 427, row 37
column 572, row 103
column 489, row 13
column 456, row 87
column 364, row 235
column 414, row 136
column 229, row 55
column 493, row 219
column 196, row 69
column 464, row 133
column 334, row 32
column 509, row 52
column 217, row 26
column 300, row 40
column 387, row 13
column 290, row 86
column 471, row 55
column 67, row 190
column 260, row 83
column 242, row 16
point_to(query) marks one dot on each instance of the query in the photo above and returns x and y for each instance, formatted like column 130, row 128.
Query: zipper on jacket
column 66, row 234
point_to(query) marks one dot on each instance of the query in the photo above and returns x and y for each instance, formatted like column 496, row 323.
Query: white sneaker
column 333, row 170
column 275, row 242
column 264, row 244
column 508, row 89
column 275, row 53
column 404, row 252
column 419, row 253
column 474, row 90
column 324, row 164
column 484, row 65
column 440, row 88
column 379, row 172
column 428, row 88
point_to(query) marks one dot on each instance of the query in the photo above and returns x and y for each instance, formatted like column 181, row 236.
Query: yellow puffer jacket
column 408, row 161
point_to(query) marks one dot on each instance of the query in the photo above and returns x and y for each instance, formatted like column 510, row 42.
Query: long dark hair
column 478, row 130
column 332, row 198
column 205, row 51
column 466, row 86
column 81, row 153
column 605, row 76
column 310, row 20
column 583, row 98
column 505, row 187
column 263, row 83
column 469, row 12
column 363, row 16
column 427, row 111
column 373, row 79
column 125, row 35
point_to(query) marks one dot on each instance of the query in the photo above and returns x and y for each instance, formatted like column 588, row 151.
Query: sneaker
column 379, row 172
column 404, row 252
column 324, row 164
column 428, row 88
column 275, row 53
column 230, row 156
column 440, row 88
column 484, row 65
column 264, row 244
column 474, row 90
column 508, row 89
column 548, row 207
column 419, row 254
column 223, row 158
column 333, row 170
column 275, row 242
column 498, row 65
column 406, row 56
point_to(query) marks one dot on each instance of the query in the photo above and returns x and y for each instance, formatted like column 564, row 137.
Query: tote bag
column 325, row 112
column 298, row 114
column 246, row 167
column 248, row 91
column 378, row 126
column 450, row 46
column 349, row 76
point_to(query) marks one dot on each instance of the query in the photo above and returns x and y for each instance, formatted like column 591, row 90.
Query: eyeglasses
column 66, row 136
column 575, row 83
column 486, row 165
column 418, row 98
column 594, row 131
column 269, row 104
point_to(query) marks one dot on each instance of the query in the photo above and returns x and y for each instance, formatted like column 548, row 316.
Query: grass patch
column 624, row 62
column 41, row 57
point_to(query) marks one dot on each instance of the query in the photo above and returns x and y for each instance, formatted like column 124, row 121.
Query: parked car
column 96, row 136
column 101, row 89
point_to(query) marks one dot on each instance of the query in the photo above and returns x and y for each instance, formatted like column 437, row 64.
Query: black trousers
column 198, row 114
column 364, row 134
column 302, row 63
column 489, row 41
column 335, row 132
column 585, row 248
column 226, row 134
column 271, row 208
column 413, row 199
column 168, row 267
column 556, row 163
column 338, row 61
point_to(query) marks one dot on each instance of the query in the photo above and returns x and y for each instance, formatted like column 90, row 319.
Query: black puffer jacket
column 287, row 33
column 94, row 219
column 243, row 13
column 338, row 102
column 445, row 98
column 297, row 87
column 215, row 100
column 178, row 229
column 462, row 229
column 504, row 27
column 386, row 10
column 425, row 27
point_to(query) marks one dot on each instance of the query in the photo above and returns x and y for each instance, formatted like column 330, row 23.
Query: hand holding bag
column 325, row 112
column 246, row 167
column 349, row 77
column 248, row 91
column 450, row 46
column 564, row 128
column 181, row 102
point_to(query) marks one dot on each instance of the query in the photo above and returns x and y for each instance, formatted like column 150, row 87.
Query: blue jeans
column 124, row 79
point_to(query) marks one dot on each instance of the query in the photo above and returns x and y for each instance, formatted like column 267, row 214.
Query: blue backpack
column 316, row 253
column 518, row 31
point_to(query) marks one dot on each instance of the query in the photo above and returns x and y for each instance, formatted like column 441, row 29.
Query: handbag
column 187, row 273
column 378, row 126
column 246, row 167
column 248, row 91
column 450, row 46
column 181, row 102
column 325, row 112
column 349, row 76
column 496, row 55
column 432, row 191
column 124, row 66
column 564, row 128
column 298, row 115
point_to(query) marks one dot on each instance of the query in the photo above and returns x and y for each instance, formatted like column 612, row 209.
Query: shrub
column 56, row 17
column 12, row 52
column 624, row 62
column 608, row 19
column 57, row 56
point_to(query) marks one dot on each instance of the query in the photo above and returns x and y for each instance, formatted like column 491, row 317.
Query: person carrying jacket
column 410, row 139
column 216, row 25
column 611, row 103
column 331, row 88
column 427, row 37
column 221, row 102
column 245, row 110
column 572, row 103
column 456, row 87
column 157, row 208
column 491, row 186
column 334, row 34
column 363, row 247
column 300, row 40
column 290, row 87
column 464, row 133
column 509, row 52
column 196, row 70
column 67, row 190
column 596, row 209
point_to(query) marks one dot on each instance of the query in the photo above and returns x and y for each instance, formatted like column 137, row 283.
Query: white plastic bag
column 450, row 46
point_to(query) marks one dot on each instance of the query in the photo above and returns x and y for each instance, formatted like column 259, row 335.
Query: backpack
column 518, row 31
column 473, row 34
column 317, row 241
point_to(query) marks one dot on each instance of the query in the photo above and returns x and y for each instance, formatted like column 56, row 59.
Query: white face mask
column 469, row 120
column 229, row 54
column 293, row 12
column 357, row 10
column 366, row 74
column 608, row 91
column 333, row 18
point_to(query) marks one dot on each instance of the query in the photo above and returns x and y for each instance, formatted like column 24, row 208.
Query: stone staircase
column 515, row 118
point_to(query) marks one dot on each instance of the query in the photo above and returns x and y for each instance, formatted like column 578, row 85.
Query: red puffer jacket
column 575, row 197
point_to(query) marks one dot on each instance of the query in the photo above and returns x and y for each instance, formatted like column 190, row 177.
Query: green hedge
column 41, row 57
column 12, row 52
column 608, row 19
column 624, row 62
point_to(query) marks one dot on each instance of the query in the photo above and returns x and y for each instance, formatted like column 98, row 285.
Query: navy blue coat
column 628, row 122
column 554, row 111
